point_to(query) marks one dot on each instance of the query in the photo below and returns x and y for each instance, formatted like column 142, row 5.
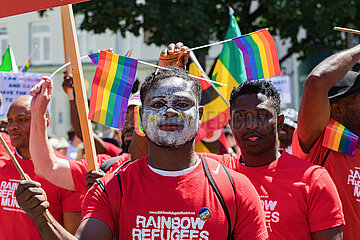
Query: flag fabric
column 111, row 89
column 260, row 54
column 137, row 122
column 216, row 111
column 339, row 138
column 8, row 63
column 229, row 67
column 215, row 142
column 95, row 56
column 25, row 68
column 128, row 53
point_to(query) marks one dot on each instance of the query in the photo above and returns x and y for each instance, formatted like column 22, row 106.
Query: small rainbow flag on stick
column 260, row 54
column 339, row 138
column 111, row 88
column 137, row 122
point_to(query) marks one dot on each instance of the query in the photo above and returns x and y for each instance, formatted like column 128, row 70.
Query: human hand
column 68, row 82
column 91, row 177
column 176, row 55
column 42, row 93
column 31, row 198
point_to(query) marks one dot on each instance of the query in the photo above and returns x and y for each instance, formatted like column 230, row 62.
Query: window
column 4, row 40
column 40, row 35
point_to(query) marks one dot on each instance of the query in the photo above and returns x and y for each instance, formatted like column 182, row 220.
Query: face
column 254, row 124
column 285, row 136
column 128, row 129
column 18, row 126
column 352, row 105
column 171, row 113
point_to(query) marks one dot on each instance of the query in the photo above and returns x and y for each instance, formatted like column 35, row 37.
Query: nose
column 170, row 112
column 252, row 122
column 11, row 125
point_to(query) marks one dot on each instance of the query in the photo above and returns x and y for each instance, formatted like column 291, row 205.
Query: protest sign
column 24, row 6
column 282, row 84
column 13, row 85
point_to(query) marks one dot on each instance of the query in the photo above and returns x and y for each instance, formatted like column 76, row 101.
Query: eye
column 262, row 115
column 183, row 105
column 157, row 104
column 240, row 116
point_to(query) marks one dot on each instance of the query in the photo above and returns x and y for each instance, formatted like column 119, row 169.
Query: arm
column 46, row 164
column 31, row 199
column 335, row 233
column 314, row 111
column 71, row 221
column 74, row 114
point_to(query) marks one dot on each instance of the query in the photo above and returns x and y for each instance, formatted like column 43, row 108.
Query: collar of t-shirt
column 174, row 173
column 19, row 156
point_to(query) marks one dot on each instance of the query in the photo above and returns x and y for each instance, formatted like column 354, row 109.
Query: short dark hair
column 255, row 87
column 169, row 72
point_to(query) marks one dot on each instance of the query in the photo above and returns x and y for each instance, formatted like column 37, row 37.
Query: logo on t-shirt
column 169, row 225
column 7, row 195
column 354, row 179
column 204, row 214
column 271, row 215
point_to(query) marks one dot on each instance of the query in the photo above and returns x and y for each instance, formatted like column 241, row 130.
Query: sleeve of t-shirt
column 250, row 219
column 97, row 205
column 71, row 201
column 78, row 170
column 111, row 149
column 325, row 210
column 316, row 154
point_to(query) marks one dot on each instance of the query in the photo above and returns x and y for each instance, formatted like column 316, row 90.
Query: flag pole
column 23, row 176
column 194, row 59
column 79, row 85
column 70, row 91
column 349, row 30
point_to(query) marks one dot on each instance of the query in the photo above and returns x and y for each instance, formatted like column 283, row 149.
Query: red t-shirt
column 79, row 168
column 345, row 172
column 155, row 206
column 111, row 149
column 14, row 222
column 6, row 138
column 298, row 197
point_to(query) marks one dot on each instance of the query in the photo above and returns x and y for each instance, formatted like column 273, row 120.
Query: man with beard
column 166, row 193
column 300, row 200
column 330, row 106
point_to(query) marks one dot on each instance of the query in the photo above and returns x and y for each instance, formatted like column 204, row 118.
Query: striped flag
column 260, row 55
column 137, row 122
column 8, row 63
column 111, row 89
column 215, row 142
column 339, row 138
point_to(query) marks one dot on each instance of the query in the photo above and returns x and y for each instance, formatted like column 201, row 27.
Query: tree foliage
column 197, row 22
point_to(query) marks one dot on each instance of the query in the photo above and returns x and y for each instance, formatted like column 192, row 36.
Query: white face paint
column 170, row 114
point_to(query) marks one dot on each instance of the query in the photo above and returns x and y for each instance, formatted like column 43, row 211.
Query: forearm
column 52, row 231
column 46, row 164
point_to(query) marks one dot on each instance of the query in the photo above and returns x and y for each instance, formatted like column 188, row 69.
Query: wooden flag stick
column 81, row 99
column 349, row 30
column 23, row 176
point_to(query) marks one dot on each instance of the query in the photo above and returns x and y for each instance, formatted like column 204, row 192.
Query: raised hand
column 176, row 55
column 91, row 178
column 42, row 93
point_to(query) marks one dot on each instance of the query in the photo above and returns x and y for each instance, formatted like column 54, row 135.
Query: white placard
column 282, row 84
column 13, row 85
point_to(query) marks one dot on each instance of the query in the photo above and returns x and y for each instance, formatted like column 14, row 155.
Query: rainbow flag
column 95, row 56
column 137, row 122
column 128, row 53
column 260, row 54
column 25, row 68
column 111, row 89
column 339, row 138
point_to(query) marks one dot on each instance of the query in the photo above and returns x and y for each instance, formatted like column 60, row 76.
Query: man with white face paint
column 164, row 195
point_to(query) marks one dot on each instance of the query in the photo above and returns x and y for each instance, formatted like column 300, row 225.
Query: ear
column 201, row 111
column 280, row 121
column 47, row 122
column 338, row 110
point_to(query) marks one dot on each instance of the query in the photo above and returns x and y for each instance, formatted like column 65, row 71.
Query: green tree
column 197, row 22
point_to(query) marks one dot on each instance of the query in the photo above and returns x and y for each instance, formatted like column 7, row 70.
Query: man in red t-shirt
column 65, row 206
column 164, row 195
column 300, row 200
column 332, row 95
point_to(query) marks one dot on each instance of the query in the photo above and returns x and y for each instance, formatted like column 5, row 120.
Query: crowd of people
column 279, row 180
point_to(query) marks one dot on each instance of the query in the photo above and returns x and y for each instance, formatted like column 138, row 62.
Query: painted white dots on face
column 170, row 113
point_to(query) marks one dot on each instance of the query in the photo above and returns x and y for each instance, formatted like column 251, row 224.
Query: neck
column 172, row 159
column 259, row 160
column 24, row 153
